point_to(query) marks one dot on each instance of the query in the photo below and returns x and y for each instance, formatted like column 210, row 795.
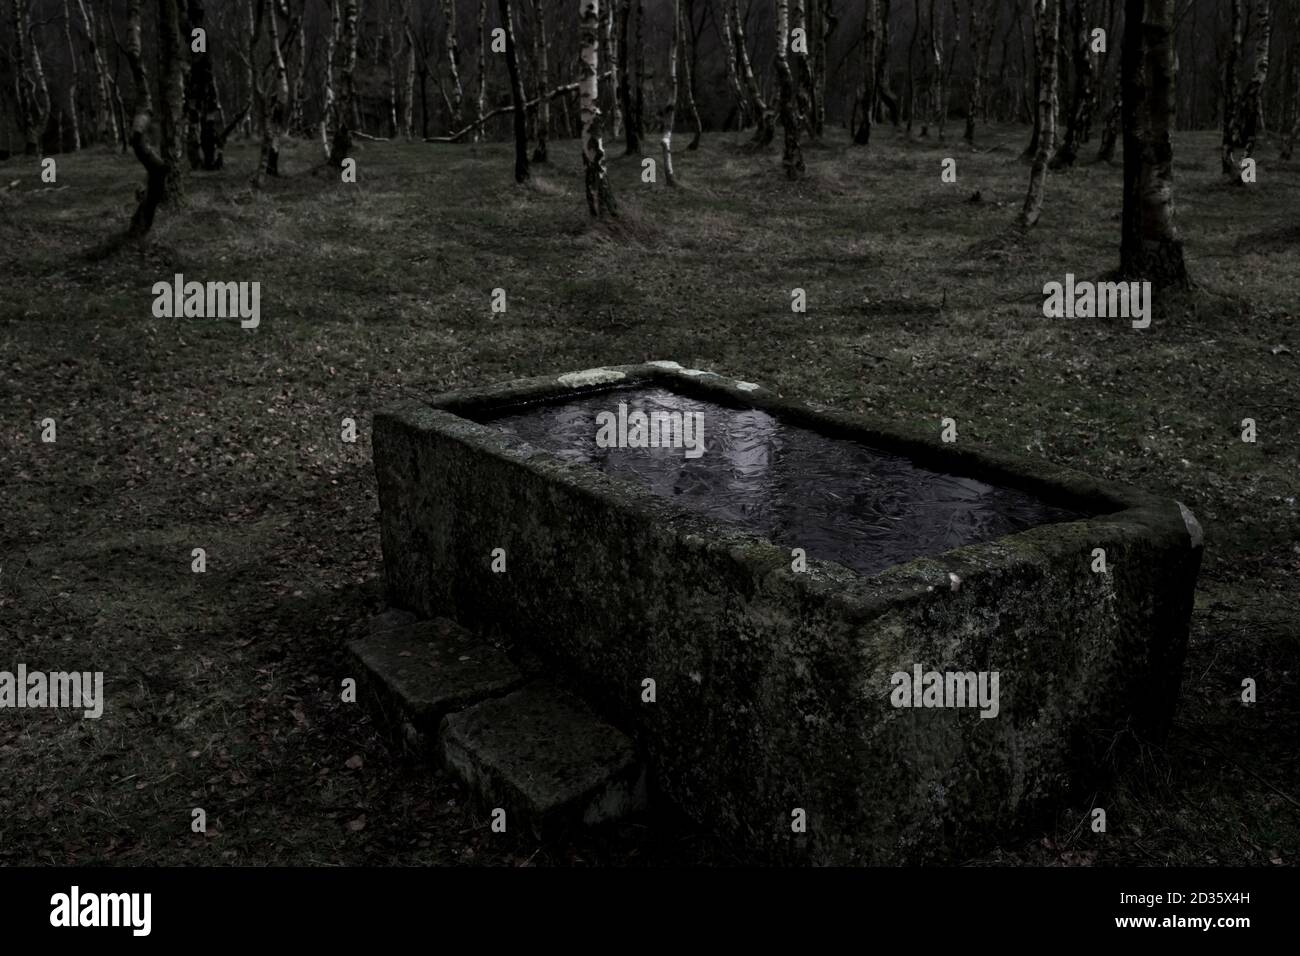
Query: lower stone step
column 541, row 755
column 417, row 672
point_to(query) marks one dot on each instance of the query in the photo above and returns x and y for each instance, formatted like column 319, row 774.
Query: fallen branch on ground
column 501, row 110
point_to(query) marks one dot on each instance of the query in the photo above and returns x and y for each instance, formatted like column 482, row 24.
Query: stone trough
column 754, row 615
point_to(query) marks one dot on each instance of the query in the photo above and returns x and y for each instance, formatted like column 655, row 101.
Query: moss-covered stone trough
column 776, row 717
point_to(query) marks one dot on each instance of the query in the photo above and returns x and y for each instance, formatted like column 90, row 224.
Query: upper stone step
column 544, row 757
column 422, row 671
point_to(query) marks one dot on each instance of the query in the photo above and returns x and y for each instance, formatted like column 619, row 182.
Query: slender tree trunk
column 74, row 85
column 329, row 106
column 275, row 101
column 516, row 92
column 298, row 96
column 345, row 106
column 1250, row 114
column 983, row 13
column 799, row 61
column 609, row 51
column 543, row 80
column 451, row 47
column 1047, row 13
column 600, row 198
column 1084, row 98
column 482, row 69
column 727, row 37
column 631, row 131
column 1236, row 39
column 765, row 128
column 1110, row 133
column 408, row 99
column 670, row 108
column 172, row 73
column 142, row 106
column 1032, row 149
column 32, row 94
column 638, row 91
column 1289, row 140
column 870, row 91
column 1150, row 247
column 911, row 66
column 792, row 156
column 688, row 57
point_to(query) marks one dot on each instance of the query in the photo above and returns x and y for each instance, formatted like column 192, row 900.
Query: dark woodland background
column 924, row 300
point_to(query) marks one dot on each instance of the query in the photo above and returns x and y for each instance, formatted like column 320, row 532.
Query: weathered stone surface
column 417, row 673
column 389, row 619
column 773, row 687
column 543, row 756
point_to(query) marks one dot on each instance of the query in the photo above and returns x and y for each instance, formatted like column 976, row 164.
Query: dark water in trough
column 836, row 499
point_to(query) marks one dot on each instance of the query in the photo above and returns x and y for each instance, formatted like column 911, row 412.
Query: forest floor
column 172, row 434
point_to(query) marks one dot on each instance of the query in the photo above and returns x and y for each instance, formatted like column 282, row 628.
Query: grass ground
column 183, row 433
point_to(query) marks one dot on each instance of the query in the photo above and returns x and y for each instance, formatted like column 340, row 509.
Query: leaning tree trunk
column 1250, row 115
column 1084, row 99
column 1236, row 38
column 765, row 125
column 142, row 106
column 516, row 92
column 870, row 91
column 1047, row 13
column 600, row 198
column 540, row 58
column 1150, row 248
column 670, row 109
column 791, row 156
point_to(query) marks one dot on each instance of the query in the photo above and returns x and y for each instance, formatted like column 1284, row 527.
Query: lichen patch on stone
column 1193, row 526
column 663, row 363
column 591, row 376
column 746, row 386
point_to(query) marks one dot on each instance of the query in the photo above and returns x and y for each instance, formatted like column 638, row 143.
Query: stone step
column 543, row 756
column 417, row 672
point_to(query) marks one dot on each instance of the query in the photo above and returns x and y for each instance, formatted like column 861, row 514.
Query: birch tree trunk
column 173, row 67
column 543, row 83
column 31, row 93
column 733, row 74
column 631, row 130
column 1236, row 38
column 298, row 96
column 765, row 123
column 608, row 50
column 670, row 109
column 983, row 14
column 142, row 107
column 1250, row 115
column 452, row 48
column 870, row 53
column 799, row 66
column 328, row 104
column 1047, row 13
column 1084, row 98
column 687, row 51
column 105, row 119
column 276, row 111
column 408, row 99
column 345, row 105
column 1150, row 247
column 516, row 92
column 791, row 156
column 74, row 86
column 600, row 198
column 482, row 69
